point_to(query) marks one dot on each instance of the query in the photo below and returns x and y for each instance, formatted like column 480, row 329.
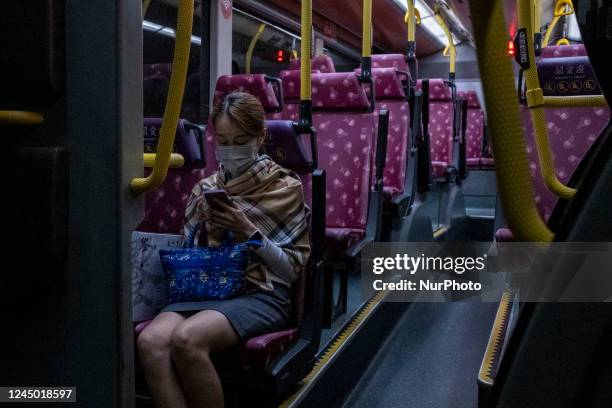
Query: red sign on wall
column 226, row 9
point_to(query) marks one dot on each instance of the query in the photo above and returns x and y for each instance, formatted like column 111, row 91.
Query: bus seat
column 345, row 132
column 156, row 78
column 556, row 51
column 397, row 61
column 165, row 207
column 265, row 88
column 389, row 91
column 474, row 130
column 440, row 126
column 291, row 93
column 322, row 63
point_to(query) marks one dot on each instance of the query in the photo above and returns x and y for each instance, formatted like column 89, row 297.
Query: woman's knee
column 154, row 342
column 187, row 339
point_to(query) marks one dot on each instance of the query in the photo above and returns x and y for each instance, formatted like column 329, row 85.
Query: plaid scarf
column 272, row 198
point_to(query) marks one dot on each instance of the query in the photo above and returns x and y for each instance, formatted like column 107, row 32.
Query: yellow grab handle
column 512, row 171
column 9, row 117
column 578, row 101
column 449, row 38
column 562, row 8
column 176, row 160
column 249, row 54
column 563, row 41
column 172, row 111
column 366, row 41
column 306, row 50
column 535, row 101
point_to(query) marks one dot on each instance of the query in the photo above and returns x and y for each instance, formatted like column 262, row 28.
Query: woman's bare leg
column 154, row 351
column 192, row 342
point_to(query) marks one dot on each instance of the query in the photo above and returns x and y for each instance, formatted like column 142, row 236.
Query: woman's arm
column 277, row 260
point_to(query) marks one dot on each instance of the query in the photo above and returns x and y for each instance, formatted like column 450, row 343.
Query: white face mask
column 237, row 159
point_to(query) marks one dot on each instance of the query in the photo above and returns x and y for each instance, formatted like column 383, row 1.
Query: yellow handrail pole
column 8, row 117
column 451, row 44
column 410, row 20
column 172, row 111
column 366, row 40
column 176, row 160
column 512, row 171
column 306, row 51
column 249, row 54
column 581, row 101
column 535, row 102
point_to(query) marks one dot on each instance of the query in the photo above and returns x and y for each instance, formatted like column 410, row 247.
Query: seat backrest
column 440, row 125
column 345, row 134
column 165, row 207
column 571, row 130
column 389, row 89
column 346, row 138
column 475, row 124
column 556, row 51
column 322, row 63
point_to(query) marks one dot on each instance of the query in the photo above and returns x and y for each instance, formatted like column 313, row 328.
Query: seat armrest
column 356, row 249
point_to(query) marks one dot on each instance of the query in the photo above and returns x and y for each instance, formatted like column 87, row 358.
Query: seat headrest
column 338, row 91
column 388, row 83
column 255, row 84
column 189, row 141
column 397, row 61
column 438, row 90
column 557, row 51
column 291, row 84
column 333, row 91
column 286, row 147
column 471, row 96
column 161, row 70
column 322, row 63
column 568, row 76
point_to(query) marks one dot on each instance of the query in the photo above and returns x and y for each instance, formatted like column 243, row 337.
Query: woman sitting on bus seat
column 267, row 204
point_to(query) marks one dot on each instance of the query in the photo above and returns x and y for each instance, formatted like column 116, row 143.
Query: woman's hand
column 231, row 217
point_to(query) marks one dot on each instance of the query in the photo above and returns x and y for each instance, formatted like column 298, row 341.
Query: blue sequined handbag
column 205, row 273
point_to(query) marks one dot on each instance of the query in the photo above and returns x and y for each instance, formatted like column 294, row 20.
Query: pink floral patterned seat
column 556, row 51
column 571, row 131
column 390, row 95
column 321, row 63
column 165, row 207
column 440, row 126
column 345, row 134
column 475, row 129
column 397, row 61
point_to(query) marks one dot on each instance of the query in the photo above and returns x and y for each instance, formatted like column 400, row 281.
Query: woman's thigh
column 207, row 329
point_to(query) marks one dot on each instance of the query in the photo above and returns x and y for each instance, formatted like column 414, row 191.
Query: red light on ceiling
column 280, row 56
column 511, row 48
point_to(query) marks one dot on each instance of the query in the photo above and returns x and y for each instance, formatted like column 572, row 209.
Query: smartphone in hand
column 217, row 194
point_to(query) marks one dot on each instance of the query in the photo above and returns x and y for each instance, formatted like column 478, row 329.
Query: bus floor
column 431, row 359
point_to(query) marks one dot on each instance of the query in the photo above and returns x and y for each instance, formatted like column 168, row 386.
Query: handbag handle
column 190, row 241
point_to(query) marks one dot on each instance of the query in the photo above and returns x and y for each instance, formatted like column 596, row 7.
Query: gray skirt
column 252, row 314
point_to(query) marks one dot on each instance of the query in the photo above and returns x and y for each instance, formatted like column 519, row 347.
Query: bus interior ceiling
column 405, row 155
